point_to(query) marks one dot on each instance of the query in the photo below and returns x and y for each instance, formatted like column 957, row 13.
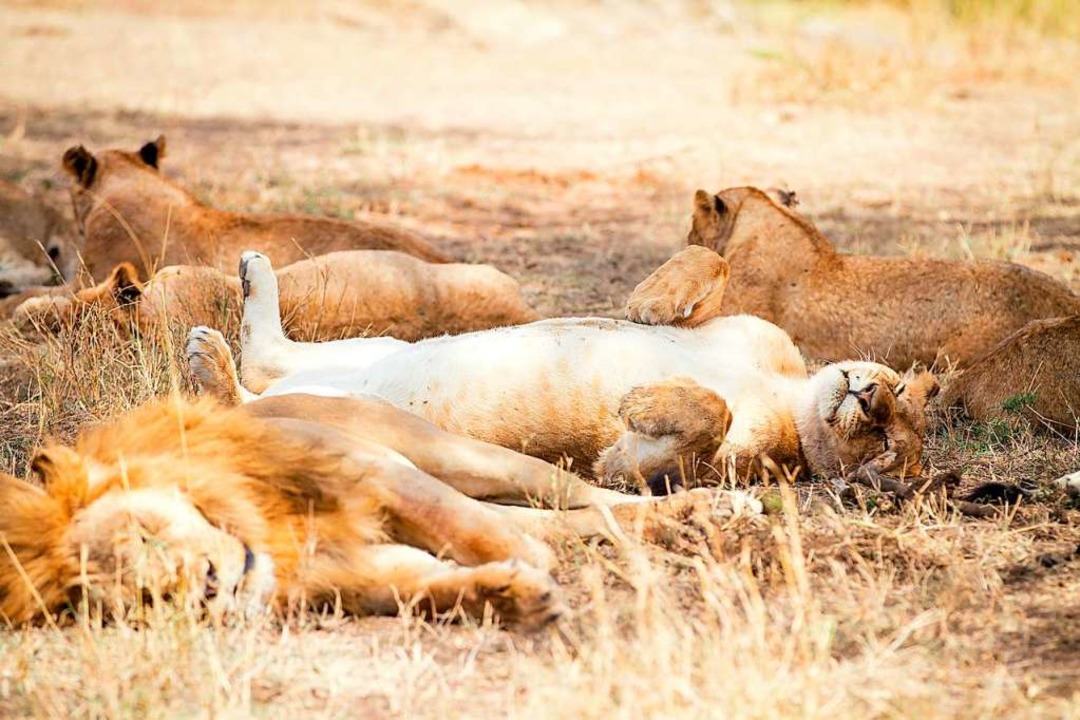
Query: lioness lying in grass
column 638, row 400
column 339, row 295
column 835, row 305
column 126, row 210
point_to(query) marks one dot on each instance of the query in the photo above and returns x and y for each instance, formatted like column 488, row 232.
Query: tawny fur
column 296, row 501
column 553, row 388
column 36, row 242
column 836, row 306
column 128, row 211
column 329, row 297
column 1033, row 373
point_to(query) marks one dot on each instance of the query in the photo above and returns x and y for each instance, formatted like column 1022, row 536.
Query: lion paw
column 255, row 272
column 678, row 407
column 669, row 426
column 517, row 593
column 687, row 520
column 685, row 291
column 212, row 365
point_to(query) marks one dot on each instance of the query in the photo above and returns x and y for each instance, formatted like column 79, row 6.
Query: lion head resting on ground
column 835, row 305
column 329, row 297
column 126, row 210
column 36, row 242
column 297, row 501
column 846, row 416
column 592, row 388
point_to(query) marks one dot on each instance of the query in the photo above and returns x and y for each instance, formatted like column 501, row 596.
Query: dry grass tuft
column 872, row 610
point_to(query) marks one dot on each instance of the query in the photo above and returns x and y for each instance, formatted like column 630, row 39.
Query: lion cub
column 128, row 211
column 834, row 305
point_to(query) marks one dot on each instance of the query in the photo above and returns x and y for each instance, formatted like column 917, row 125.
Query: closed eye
column 900, row 388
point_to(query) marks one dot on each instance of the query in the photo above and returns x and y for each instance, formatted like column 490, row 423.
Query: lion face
column 116, row 297
column 97, row 532
column 153, row 543
column 862, row 412
column 36, row 243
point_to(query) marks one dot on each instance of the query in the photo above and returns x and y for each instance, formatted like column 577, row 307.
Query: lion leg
column 686, row 291
column 264, row 349
column 669, row 425
column 420, row 510
column 267, row 355
column 380, row 579
column 499, row 475
column 480, row 470
column 213, row 368
column 426, row 513
column 648, row 520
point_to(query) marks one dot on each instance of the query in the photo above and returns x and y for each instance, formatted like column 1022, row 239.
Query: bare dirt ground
column 562, row 143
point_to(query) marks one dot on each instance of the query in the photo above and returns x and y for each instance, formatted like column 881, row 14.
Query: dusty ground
column 562, row 143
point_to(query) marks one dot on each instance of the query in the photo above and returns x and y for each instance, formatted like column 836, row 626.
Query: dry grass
column 908, row 52
column 915, row 126
column 872, row 611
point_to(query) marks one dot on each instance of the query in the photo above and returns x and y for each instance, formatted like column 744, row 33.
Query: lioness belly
column 550, row 388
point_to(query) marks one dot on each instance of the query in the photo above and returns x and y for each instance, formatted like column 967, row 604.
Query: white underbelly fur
column 525, row 375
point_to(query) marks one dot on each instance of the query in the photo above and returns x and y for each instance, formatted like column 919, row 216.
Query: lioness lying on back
column 329, row 297
column 329, row 502
column 128, row 211
column 637, row 399
column 835, row 305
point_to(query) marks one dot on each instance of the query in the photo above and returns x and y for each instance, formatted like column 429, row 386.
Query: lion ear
column 705, row 202
column 63, row 474
column 152, row 152
column 921, row 383
column 787, row 198
column 80, row 164
column 124, row 284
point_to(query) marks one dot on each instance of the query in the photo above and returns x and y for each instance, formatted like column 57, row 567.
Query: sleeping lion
column 299, row 501
column 633, row 400
column 341, row 294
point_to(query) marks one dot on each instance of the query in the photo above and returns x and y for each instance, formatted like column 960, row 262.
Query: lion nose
column 212, row 582
column 865, row 396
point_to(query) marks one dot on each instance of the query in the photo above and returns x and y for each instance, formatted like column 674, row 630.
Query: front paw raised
column 685, row 291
